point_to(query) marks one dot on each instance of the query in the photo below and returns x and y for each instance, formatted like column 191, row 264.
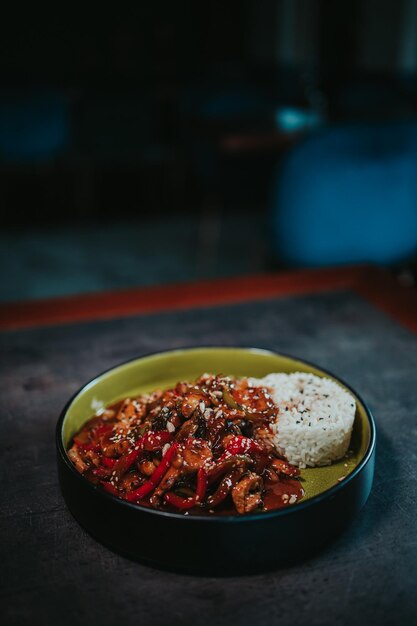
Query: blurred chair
column 348, row 195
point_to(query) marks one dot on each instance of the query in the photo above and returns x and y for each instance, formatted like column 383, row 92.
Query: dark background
column 142, row 143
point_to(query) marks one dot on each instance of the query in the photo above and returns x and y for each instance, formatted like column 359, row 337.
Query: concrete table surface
column 53, row 572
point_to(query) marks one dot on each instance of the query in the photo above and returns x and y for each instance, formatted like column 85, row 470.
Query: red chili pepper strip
column 150, row 441
column 156, row 477
column 110, row 488
column 101, row 472
column 102, row 429
column 108, row 462
column 178, row 502
column 242, row 445
column 187, row 503
column 201, row 484
column 155, row 441
column 124, row 463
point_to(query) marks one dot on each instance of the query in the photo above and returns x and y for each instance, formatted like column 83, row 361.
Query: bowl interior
column 162, row 370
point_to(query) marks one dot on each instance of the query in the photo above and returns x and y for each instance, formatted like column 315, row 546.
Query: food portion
column 315, row 418
column 203, row 447
column 218, row 445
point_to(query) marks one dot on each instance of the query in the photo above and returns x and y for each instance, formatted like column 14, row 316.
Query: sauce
column 282, row 494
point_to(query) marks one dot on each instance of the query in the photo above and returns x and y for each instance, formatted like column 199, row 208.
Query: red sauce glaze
column 276, row 494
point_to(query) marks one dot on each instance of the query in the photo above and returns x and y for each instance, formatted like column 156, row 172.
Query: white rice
column 315, row 417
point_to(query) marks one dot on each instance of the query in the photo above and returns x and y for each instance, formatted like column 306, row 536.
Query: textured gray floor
column 82, row 258
column 53, row 572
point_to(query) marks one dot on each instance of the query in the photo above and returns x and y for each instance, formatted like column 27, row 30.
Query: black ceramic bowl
column 210, row 544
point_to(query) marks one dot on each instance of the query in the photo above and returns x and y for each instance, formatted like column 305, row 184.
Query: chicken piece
column 283, row 467
column 262, row 434
column 174, row 420
column 227, row 440
column 75, row 457
column 247, row 493
column 92, row 457
column 190, row 403
column 114, row 449
column 152, row 400
column 187, row 430
column 182, row 388
column 130, row 482
column 166, row 483
column 126, row 410
column 131, row 409
column 195, row 454
column 147, row 467
column 122, row 428
column 169, row 399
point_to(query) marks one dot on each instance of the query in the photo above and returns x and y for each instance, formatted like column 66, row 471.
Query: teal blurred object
column 295, row 119
column 34, row 125
column 348, row 195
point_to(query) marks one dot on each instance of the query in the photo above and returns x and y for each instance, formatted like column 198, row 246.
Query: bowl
column 209, row 544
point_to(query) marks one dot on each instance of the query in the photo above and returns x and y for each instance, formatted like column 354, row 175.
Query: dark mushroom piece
column 225, row 487
column 232, row 462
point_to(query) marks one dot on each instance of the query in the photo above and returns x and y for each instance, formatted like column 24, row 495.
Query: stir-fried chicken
column 202, row 446
column 247, row 494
